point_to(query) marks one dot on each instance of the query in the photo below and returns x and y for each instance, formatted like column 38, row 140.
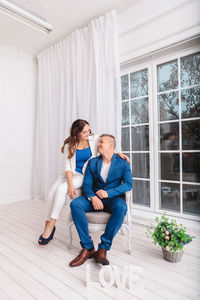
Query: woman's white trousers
column 57, row 196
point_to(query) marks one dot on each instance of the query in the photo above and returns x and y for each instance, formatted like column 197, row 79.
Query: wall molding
column 16, row 164
column 23, row 198
column 143, row 217
column 156, row 17
column 170, row 41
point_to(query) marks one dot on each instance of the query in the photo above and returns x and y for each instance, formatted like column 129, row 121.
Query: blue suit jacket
column 118, row 182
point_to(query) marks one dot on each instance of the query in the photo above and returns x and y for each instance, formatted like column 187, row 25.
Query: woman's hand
column 71, row 191
column 124, row 156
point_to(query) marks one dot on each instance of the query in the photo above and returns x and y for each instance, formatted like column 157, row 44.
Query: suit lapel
column 99, row 165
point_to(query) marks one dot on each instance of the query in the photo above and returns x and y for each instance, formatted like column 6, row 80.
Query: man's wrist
column 91, row 198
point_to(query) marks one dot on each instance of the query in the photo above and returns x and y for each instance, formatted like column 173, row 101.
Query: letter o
column 104, row 282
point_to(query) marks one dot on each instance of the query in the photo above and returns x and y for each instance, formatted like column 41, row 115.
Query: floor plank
column 43, row 272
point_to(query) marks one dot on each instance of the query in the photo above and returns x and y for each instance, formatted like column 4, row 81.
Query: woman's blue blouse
column 81, row 157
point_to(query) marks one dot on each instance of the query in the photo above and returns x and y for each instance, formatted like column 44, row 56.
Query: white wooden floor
column 29, row 271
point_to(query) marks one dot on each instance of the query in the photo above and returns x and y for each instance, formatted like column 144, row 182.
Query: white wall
column 144, row 26
column 148, row 25
column 17, row 123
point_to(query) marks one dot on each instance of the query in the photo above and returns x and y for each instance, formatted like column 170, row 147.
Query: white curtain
column 77, row 78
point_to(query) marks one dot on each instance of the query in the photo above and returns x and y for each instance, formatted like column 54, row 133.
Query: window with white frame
column 135, row 131
column 161, row 133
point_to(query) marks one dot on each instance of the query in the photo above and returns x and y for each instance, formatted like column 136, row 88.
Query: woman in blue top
column 78, row 148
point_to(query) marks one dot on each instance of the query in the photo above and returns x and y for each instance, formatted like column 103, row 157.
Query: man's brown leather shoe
column 100, row 257
column 82, row 257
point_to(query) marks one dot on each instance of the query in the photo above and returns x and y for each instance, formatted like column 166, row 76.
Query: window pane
column 170, row 166
column 140, row 138
column 169, row 106
column 191, row 167
column 170, row 196
column 141, row 192
column 140, row 165
column 190, row 70
column 169, row 136
column 139, row 83
column 125, row 139
column 191, row 199
column 167, row 76
column 191, row 135
column 190, row 102
column 124, row 87
column 125, row 113
column 139, row 111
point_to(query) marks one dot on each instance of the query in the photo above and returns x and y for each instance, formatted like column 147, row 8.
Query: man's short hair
column 111, row 136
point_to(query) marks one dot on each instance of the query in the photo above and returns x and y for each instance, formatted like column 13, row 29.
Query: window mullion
column 180, row 137
column 156, row 137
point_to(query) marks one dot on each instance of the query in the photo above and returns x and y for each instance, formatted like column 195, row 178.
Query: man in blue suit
column 107, row 178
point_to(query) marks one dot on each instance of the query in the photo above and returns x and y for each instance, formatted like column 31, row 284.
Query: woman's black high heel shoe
column 43, row 241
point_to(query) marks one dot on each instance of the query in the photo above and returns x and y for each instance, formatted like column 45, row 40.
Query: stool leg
column 70, row 235
column 128, row 237
column 129, row 240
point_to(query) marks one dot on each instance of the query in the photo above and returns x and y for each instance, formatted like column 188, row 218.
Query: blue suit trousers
column 115, row 206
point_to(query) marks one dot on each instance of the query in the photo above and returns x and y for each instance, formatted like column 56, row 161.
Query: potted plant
column 170, row 236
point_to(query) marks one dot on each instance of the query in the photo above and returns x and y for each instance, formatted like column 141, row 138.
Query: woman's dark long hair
column 73, row 139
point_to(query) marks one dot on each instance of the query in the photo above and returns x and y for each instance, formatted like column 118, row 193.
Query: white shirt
column 104, row 171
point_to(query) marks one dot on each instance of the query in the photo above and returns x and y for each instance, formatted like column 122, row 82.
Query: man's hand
column 102, row 194
column 97, row 203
